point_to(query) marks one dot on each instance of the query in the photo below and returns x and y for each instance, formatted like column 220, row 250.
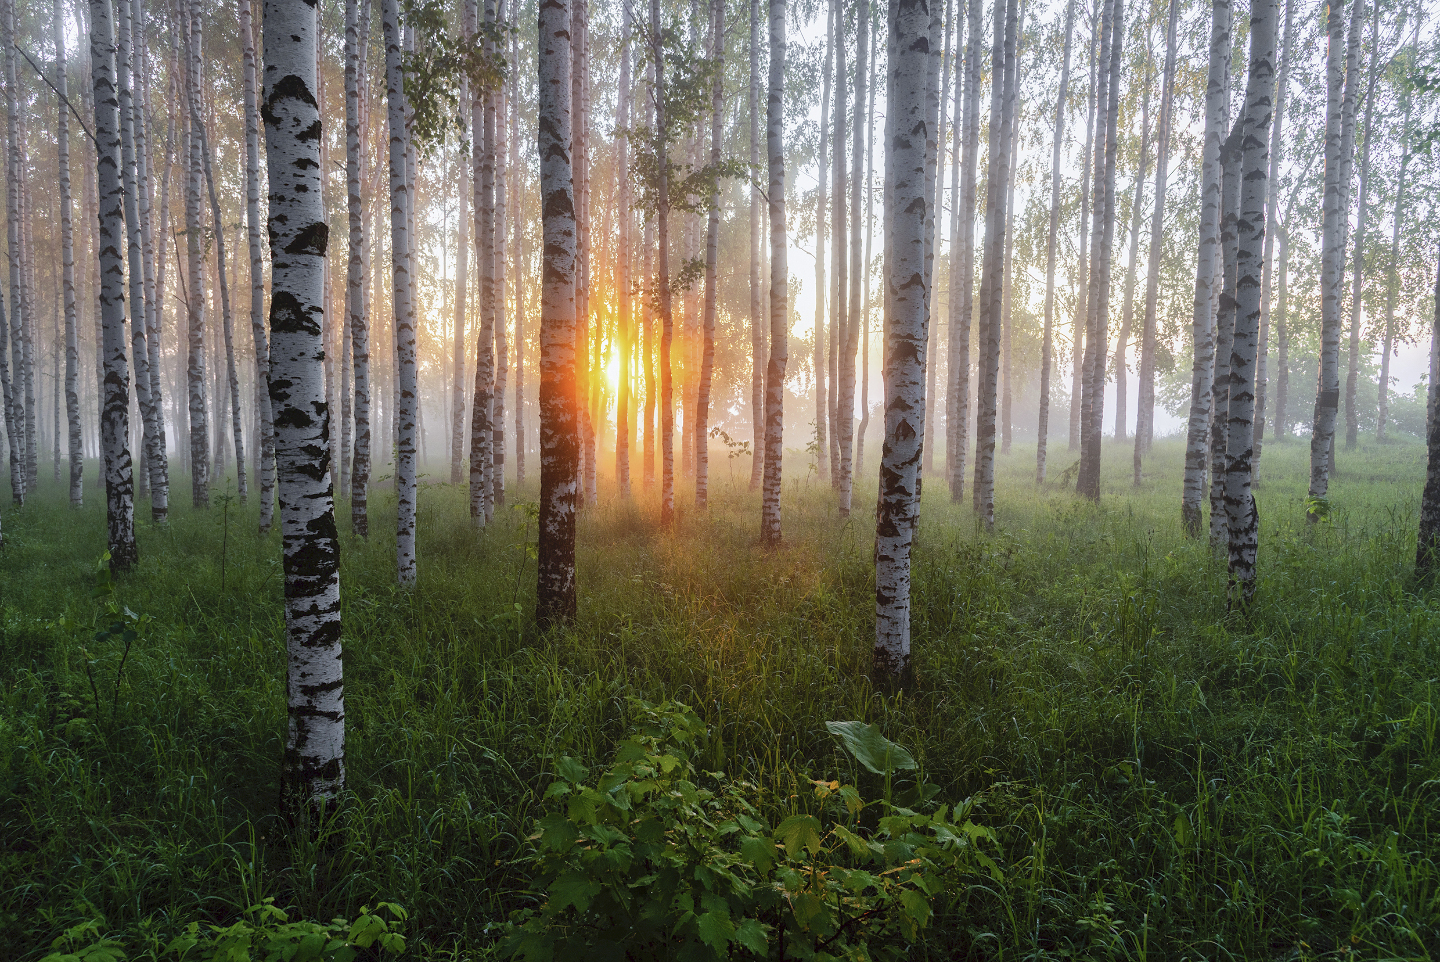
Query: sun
column 612, row 372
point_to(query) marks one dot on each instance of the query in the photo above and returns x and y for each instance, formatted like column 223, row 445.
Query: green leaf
column 716, row 930
column 759, row 852
column 570, row 770
column 572, row 889
column 753, row 935
column 798, row 832
column 870, row 748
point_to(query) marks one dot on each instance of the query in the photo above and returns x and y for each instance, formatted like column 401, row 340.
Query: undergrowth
column 1161, row 777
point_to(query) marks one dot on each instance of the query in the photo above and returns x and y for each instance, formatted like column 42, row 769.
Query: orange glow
column 612, row 373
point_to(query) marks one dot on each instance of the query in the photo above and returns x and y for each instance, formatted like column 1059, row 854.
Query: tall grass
column 1168, row 779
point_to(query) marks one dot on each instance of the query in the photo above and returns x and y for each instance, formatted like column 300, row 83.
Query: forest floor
column 1163, row 777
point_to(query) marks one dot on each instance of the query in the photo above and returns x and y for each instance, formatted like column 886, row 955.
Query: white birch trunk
column 194, row 280
column 964, row 253
column 624, row 322
column 115, row 414
column 462, row 285
column 559, row 426
column 907, row 200
column 1217, row 100
column 1241, row 515
column 67, row 270
column 779, row 275
column 17, row 422
column 712, row 252
column 846, row 406
column 1352, row 374
column 1145, row 402
column 1271, row 204
column 757, row 331
column 1047, row 344
column 402, row 302
column 314, row 772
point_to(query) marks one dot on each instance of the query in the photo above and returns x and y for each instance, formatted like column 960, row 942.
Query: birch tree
column 1217, row 100
column 314, row 772
column 1352, row 374
column 1427, row 546
column 839, row 300
column 194, row 280
column 1102, row 238
column 822, row 185
column 1047, row 344
column 1391, row 279
column 356, row 316
column 75, row 447
column 1262, row 386
column 757, row 332
column 712, row 254
column 1145, row 400
column 115, row 413
column 964, row 254
column 906, row 226
column 779, row 276
column 858, row 265
column 1241, row 514
column 624, row 322
column 16, row 428
column 401, row 298
column 1339, row 142
column 559, row 427
column 662, row 270
column 1230, row 157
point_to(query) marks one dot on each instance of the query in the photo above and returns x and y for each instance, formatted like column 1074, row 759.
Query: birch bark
column 115, row 413
column 194, row 281
column 959, row 374
column 779, row 276
column 67, row 270
column 559, row 427
column 1217, row 100
column 314, row 772
column 712, row 253
column 848, row 463
column 907, row 199
column 1145, row 402
column 1357, row 300
column 1047, row 344
column 402, row 304
column 757, row 331
column 1241, row 514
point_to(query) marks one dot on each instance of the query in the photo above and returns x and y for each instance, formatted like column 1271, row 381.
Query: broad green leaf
column 573, row 889
column 751, row 934
column 870, row 748
column 759, row 852
column 798, row 832
column 570, row 770
column 716, row 930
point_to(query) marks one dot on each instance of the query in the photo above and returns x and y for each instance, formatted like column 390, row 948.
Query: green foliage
column 267, row 935
column 652, row 859
column 441, row 60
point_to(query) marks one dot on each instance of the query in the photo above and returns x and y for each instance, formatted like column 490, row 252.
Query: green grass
column 1167, row 779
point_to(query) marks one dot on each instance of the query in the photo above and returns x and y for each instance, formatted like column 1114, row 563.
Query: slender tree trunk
column 1352, row 375
column 1217, row 100
column 757, row 331
column 1230, row 156
column 625, row 337
column 907, row 226
column 115, row 416
column 992, row 271
column 1102, row 239
column 231, row 372
column 129, row 178
column 194, row 280
column 712, row 253
column 17, row 426
column 1339, row 144
column 1082, row 322
column 159, row 463
column 521, row 272
column 869, row 129
column 1392, row 280
column 559, row 427
column 932, row 342
column 1145, row 402
column 1007, row 324
column 1282, row 337
column 840, row 292
column 821, row 366
column 1128, row 308
column 964, row 252
column 1267, row 270
column 856, row 312
column 587, row 369
column 67, row 269
column 402, row 303
column 667, row 318
column 359, row 311
column 314, row 773
column 779, row 275
column 1047, row 345
column 497, row 297
column 1427, row 548
column 1240, row 511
